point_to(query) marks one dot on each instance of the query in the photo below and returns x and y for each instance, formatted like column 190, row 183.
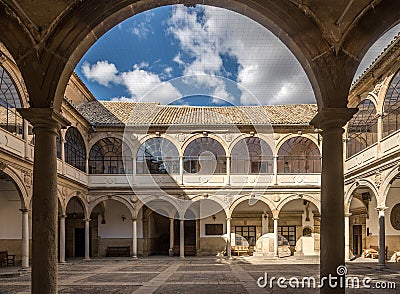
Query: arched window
column 391, row 120
column 362, row 128
column 75, row 151
column 110, row 156
column 10, row 120
column 299, row 155
column 252, row 156
column 157, row 156
column 206, row 156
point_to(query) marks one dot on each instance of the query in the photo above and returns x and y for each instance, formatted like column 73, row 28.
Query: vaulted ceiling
column 329, row 37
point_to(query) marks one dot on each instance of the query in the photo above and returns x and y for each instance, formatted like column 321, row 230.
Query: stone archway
column 14, row 219
column 328, row 52
column 251, row 218
column 362, row 219
column 299, row 222
column 75, row 228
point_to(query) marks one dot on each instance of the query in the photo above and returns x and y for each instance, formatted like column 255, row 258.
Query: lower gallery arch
column 111, row 228
column 205, row 228
column 363, row 226
column 158, row 228
column 299, row 223
column 392, row 219
column 12, row 209
column 251, row 223
column 75, row 228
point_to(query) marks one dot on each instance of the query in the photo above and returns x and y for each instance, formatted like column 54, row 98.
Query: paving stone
column 13, row 289
column 211, row 268
column 201, row 288
column 193, row 275
column 202, row 277
column 143, row 268
column 98, row 289
column 120, row 278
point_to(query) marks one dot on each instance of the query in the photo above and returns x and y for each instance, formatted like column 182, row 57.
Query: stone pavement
column 192, row 275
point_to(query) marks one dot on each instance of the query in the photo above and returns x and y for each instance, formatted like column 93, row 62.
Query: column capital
column 134, row 219
column 228, row 219
column 275, row 214
column 62, row 216
column 87, row 219
column 44, row 118
column 24, row 210
column 348, row 214
column 332, row 118
column 381, row 209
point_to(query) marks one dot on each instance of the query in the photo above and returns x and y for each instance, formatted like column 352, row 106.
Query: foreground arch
column 329, row 52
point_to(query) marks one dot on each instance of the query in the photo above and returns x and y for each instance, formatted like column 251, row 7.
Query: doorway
column 190, row 237
column 357, row 239
column 79, row 242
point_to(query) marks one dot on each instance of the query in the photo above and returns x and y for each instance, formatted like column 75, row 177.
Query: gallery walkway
column 191, row 275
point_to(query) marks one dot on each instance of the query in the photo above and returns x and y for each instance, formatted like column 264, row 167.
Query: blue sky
column 195, row 56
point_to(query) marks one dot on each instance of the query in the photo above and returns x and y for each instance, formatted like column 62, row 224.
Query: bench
column 373, row 252
column 240, row 249
column 118, row 251
column 397, row 256
column 7, row 259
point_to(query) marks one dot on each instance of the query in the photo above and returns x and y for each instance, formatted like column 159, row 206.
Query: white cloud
column 103, row 72
column 143, row 85
column 206, row 34
column 178, row 59
column 122, row 99
column 167, row 72
column 147, row 86
column 144, row 28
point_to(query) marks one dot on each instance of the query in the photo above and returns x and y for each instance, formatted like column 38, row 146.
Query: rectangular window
column 214, row 229
column 288, row 232
column 248, row 232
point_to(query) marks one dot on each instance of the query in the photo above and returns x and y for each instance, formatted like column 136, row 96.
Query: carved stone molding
column 3, row 165
column 378, row 179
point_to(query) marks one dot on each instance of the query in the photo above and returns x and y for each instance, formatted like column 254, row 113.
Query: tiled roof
column 392, row 47
column 139, row 113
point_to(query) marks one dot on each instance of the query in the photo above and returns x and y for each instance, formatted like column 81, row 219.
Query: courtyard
column 192, row 275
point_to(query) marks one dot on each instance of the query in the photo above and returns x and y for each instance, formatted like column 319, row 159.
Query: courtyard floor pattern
column 192, row 275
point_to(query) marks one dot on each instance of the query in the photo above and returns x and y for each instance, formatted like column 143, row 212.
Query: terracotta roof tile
column 138, row 113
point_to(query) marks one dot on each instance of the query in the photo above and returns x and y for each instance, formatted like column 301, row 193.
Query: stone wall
column 113, row 242
column 211, row 246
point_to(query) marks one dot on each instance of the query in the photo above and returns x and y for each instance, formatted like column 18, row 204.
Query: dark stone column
column 382, row 243
column 46, row 124
column 331, row 121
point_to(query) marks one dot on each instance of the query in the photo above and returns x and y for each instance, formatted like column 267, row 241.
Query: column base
column 62, row 262
column 24, row 269
column 134, row 256
column 86, row 259
column 170, row 252
column 382, row 266
column 181, row 257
